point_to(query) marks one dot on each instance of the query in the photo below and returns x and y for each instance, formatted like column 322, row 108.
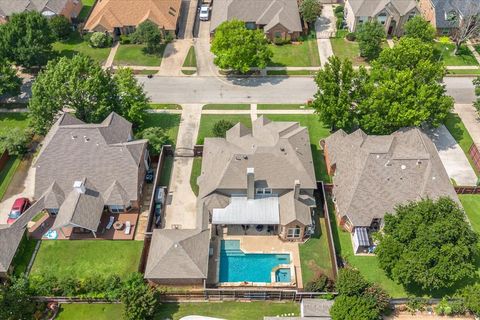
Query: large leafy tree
column 354, row 308
column 419, row 28
column 15, row 301
column 9, row 82
column 350, row 282
column 139, row 299
column 339, row 90
column 60, row 26
column 26, row 39
column 148, row 33
column 237, row 48
column 310, row 10
column 221, row 127
column 428, row 245
column 157, row 138
column 370, row 36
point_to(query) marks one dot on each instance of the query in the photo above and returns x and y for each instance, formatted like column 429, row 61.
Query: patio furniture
column 110, row 223
column 127, row 227
column 118, row 225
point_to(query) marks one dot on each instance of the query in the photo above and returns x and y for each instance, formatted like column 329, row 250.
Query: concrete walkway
column 111, row 55
column 325, row 28
column 470, row 119
column 390, row 43
column 453, row 158
column 174, row 56
column 253, row 111
column 181, row 208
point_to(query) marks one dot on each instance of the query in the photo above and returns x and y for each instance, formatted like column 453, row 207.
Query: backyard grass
column 345, row 49
column 79, row 259
column 471, row 204
column 457, row 129
column 166, row 172
column 190, row 59
column 281, row 107
column 23, row 255
column 296, row 54
column 85, row 311
column 11, row 120
column 166, row 106
column 134, row 55
column 316, row 131
column 208, row 121
column 167, row 121
column 227, row 310
column 87, row 6
column 75, row 44
column 226, row 107
column 477, row 48
column 445, row 52
column 291, row 73
column 6, row 175
column 196, row 171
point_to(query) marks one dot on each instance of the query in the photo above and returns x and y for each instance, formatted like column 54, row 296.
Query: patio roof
column 261, row 210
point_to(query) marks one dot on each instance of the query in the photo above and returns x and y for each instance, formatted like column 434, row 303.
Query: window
column 52, row 212
column 382, row 18
column 293, row 232
column 263, row 191
column 278, row 34
column 250, row 25
column 411, row 16
column 116, row 209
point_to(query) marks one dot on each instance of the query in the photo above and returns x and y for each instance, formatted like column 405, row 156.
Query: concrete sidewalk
column 111, row 55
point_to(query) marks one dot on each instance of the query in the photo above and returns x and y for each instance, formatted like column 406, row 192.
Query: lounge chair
column 110, row 223
column 127, row 227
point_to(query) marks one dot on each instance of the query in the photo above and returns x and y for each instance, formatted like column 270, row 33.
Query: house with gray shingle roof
column 392, row 14
column 259, row 176
column 279, row 19
column 374, row 174
column 48, row 8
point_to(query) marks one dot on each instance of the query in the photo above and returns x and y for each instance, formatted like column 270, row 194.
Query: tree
column 320, row 283
column 60, row 26
column 354, row 308
column 15, row 141
column 148, row 33
column 237, row 48
column 339, row 87
column 380, row 296
column 476, row 83
column 26, row 39
column 157, row 138
column 466, row 25
column 370, row 36
column 139, row 300
column 419, row 28
column 350, row 282
column 310, row 10
column 79, row 84
column 221, row 127
column 133, row 101
column 100, row 40
column 428, row 244
column 15, row 301
column 9, row 82
column 471, row 298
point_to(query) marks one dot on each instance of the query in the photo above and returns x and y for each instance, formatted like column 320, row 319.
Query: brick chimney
column 296, row 189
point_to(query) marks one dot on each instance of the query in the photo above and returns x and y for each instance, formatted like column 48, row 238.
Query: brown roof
column 119, row 13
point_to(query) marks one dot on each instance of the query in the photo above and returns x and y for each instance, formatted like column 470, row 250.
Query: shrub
column 320, row 284
column 351, row 36
column 148, row 33
column 100, row 40
column 281, row 41
column 157, row 138
column 125, row 39
column 61, row 27
column 380, row 296
column 169, row 37
column 221, row 127
column 15, row 141
column 350, row 282
column 471, row 298
column 415, row 304
column 138, row 298
column 354, row 308
column 338, row 9
column 370, row 36
column 443, row 308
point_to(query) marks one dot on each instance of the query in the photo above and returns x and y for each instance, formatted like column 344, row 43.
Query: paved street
column 461, row 89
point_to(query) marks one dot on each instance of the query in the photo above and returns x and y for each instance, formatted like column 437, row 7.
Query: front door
column 391, row 28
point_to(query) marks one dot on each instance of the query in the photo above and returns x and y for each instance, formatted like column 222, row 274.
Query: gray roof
column 241, row 210
column 444, row 7
column 103, row 153
column 81, row 209
column 178, row 254
column 9, row 7
column 54, row 196
column 292, row 209
column 373, row 174
column 268, row 13
column 115, row 194
column 370, row 8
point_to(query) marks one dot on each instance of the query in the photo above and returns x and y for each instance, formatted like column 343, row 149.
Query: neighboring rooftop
column 370, row 8
column 373, row 174
column 267, row 13
column 9, row 7
column 444, row 8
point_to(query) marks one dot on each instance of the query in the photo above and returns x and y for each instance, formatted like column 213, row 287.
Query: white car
column 204, row 13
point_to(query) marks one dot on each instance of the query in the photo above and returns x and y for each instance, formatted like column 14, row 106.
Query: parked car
column 149, row 176
column 204, row 12
column 158, row 214
column 19, row 206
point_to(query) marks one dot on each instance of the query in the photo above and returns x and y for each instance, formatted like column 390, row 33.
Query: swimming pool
column 238, row 266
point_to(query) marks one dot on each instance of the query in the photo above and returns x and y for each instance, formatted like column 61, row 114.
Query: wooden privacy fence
column 475, row 154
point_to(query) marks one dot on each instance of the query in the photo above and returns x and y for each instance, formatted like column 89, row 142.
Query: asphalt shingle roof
column 9, row 7
column 444, row 7
column 370, row 8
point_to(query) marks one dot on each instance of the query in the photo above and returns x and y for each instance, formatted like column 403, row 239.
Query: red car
column 19, row 207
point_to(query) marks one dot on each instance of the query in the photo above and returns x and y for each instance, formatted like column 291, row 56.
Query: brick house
column 49, row 8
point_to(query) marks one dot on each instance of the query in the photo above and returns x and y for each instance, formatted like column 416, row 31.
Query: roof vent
column 388, row 164
column 79, row 186
column 245, row 157
column 86, row 138
column 378, row 156
column 433, row 178
column 238, row 157
column 419, row 162
column 73, row 136
column 403, row 167
column 282, row 149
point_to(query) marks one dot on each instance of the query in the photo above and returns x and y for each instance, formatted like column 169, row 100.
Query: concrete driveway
column 174, row 56
column 453, row 158
column 460, row 88
column 205, row 65
column 325, row 28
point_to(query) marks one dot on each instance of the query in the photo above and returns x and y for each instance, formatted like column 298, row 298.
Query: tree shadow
column 167, row 310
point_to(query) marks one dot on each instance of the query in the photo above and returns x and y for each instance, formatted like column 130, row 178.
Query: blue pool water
column 237, row 266
column 283, row 275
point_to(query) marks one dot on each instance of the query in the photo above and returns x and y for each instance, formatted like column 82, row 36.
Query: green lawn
column 11, row 120
column 208, row 121
column 471, row 204
column 75, row 44
column 169, row 122
column 291, row 73
column 6, row 175
column 445, row 52
column 87, row 6
column 85, row 311
column 226, row 107
column 166, row 172
column 297, row 54
column 316, row 131
column 345, row 49
column 134, row 55
column 227, row 310
column 23, row 255
column 166, row 106
column 477, row 48
column 196, row 171
column 190, row 59
column 457, row 129
column 281, row 107
column 465, row 72
column 87, row 258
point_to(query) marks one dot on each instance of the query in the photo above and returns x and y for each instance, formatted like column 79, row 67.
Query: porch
column 116, row 232
column 250, row 230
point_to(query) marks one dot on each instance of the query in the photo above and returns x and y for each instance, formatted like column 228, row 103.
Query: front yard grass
column 84, row 311
column 79, row 259
column 196, row 171
column 282, row 107
column 345, row 49
column 165, row 106
column 208, row 121
column 134, row 55
column 168, row 121
column 445, row 52
column 190, row 59
column 75, row 44
column 227, row 310
column 316, row 131
column 226, row 107
column 291, row 72
column 303, row 53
